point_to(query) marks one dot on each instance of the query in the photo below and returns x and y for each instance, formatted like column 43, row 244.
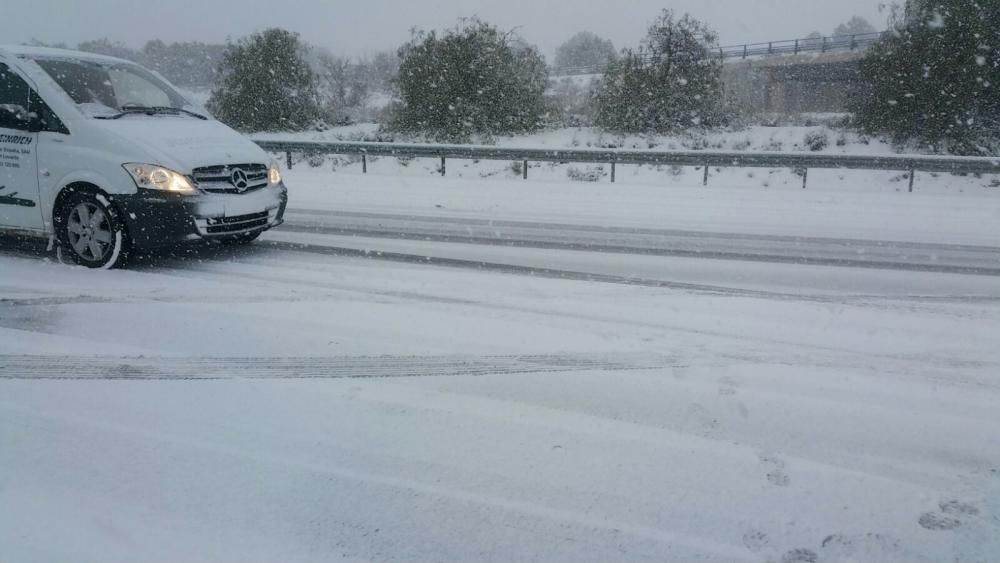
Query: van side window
column 15, row 95
column 50, row 121
column 85, row 83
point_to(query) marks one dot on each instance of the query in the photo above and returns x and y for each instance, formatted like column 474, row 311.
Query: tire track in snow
column 812, row 251
column 562, row 227
column 946, row 370
column 375, row 367
column 573, row 275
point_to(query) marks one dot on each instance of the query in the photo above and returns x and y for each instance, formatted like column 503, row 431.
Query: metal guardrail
column 801, row 162
column 770, row 48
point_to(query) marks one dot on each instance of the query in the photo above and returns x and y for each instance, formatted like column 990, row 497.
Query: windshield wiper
column 151, row 110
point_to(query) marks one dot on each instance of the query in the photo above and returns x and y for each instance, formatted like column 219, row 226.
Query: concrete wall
column 791, row 85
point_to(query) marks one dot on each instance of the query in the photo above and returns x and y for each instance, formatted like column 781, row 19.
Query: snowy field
column 752, row 138
column 300, row 401
column 839, row 204
column 643, row 183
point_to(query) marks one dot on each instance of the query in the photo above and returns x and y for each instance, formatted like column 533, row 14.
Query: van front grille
column 222, row 178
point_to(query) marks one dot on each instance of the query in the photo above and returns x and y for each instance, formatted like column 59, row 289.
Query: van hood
column 181, row 143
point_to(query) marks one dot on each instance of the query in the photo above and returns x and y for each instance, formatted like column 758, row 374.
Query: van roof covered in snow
column 27, row 51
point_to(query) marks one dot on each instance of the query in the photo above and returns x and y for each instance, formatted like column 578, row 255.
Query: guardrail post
column 913, row 173
column 288, row 159
column 854, row 42
column 746, row 50
column 705, row 181
column 823, row 50
column 612, row 172
column 524, row 168
column 442, row 166
column 364, row 164
column 796, row 46
column 770, row 48
column 805, row 177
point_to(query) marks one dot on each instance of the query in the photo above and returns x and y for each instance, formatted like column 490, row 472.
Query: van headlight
column 274, row 173
column 153, row 177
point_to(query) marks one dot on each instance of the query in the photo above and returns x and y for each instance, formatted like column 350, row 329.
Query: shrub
column 586, row 174
column 817, row 140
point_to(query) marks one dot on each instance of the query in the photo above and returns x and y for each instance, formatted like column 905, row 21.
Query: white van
column 105, row 157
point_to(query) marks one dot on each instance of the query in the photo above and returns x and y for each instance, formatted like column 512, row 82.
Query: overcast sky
column 359, row 27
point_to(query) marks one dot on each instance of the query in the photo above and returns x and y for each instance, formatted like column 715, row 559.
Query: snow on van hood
column 181, row 143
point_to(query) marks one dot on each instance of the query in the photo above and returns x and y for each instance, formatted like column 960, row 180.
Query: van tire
column 91, row 231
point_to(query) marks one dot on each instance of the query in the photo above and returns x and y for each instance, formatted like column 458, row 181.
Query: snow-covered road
column 298, row 401
column 352, row 408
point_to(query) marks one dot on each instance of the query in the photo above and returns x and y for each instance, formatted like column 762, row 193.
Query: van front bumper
column 157, row 219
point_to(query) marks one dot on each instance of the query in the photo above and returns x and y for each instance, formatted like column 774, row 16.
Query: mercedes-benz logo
column 240, row 181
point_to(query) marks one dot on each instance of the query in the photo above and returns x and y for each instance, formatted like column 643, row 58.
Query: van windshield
column 102, row 89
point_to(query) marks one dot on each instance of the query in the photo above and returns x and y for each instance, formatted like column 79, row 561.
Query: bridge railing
column 771, row 48
column 797, row 46
column 801, row 162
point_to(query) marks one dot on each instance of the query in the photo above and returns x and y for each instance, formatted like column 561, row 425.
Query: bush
column 266, row 84
column 586, row 174
column 315, row 160
column 670, row 83
column 936, row 79
column 817, row 140
column 472, row 80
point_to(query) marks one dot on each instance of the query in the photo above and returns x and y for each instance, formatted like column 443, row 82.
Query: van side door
column 19, row 194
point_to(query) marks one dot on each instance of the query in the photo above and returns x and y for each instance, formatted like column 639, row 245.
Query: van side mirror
column 15, row 116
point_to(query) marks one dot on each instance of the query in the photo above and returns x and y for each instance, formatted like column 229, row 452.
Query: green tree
column 671, row 82
column 855, row 26
column 471, row 80
column 813, row 41
column 111, row 48
column 585, row 50
column 191, row 65
column 33, row 42
column 936, row 79
column 267, row 85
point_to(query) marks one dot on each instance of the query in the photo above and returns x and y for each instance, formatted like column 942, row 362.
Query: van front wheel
column 91, row 231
